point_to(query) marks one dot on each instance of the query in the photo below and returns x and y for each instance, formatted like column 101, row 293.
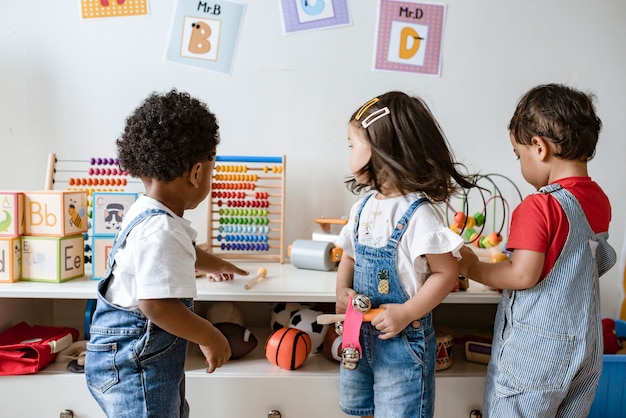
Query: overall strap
column 121, row 236
column 358, row 216
column 404, row 221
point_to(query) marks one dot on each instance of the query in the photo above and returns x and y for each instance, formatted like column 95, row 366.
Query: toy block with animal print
column 55, row 213
column 52, row 259
column 11, row 214
column 100, row 248
column 108, row 210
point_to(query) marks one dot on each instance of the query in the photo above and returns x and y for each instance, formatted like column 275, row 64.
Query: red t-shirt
column 539, row 223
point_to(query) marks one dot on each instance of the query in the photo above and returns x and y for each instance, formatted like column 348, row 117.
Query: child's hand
column 344, row 296
column 467, row 262
column 392, row 320
column 217, row 353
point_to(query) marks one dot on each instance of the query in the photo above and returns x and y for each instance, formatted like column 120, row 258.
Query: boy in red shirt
column 547, row 348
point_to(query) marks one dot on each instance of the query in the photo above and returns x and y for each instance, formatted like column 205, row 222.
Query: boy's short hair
column 166, row 135
column 560, row 114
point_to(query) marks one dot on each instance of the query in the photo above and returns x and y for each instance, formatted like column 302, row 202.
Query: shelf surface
column 284, row 283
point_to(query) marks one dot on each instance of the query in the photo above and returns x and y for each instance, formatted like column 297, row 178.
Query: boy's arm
column 210, row 263
column 174, row 317
column 522, row 271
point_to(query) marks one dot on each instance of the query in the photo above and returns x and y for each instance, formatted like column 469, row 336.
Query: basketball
column 288, row 348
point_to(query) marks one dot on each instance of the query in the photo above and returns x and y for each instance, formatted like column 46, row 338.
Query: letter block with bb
column 10, row 255
column 11, row 214
column 56, row 213
column 52, row 259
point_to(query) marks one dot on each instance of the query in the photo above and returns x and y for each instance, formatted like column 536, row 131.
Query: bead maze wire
column 495, row 210
column 246, row 208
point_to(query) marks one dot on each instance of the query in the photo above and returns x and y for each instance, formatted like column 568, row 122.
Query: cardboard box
column 10, row 259
column 108, row 210
column 11, row 214
column 56, row 213
column 51, row 259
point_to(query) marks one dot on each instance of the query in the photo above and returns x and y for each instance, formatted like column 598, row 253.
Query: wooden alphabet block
column 56, row 213
column 100, row 254
column 108, row 210
column 11, row 214
column 52, row 259
column 10, row 259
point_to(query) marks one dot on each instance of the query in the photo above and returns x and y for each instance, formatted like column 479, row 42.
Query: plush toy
column 611, row 343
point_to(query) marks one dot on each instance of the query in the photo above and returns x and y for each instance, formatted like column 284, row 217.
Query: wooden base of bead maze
column 246, row 208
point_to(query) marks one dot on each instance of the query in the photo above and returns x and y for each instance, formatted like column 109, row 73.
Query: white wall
column 67, row 85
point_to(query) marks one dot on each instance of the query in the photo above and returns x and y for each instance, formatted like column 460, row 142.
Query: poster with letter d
column 204, row 34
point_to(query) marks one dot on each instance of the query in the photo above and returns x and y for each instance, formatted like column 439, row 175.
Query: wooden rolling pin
column 332, row 318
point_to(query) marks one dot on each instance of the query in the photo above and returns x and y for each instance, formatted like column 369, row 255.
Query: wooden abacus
column 95, row 174
column 246, row 208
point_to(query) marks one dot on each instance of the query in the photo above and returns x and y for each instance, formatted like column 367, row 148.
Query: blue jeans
column 401, row 371
column 133, row 368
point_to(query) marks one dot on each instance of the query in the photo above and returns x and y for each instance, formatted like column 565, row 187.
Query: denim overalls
column 547, row 347
column 134, row 368
column 395, row 377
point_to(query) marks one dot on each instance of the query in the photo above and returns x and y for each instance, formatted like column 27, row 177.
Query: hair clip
column 365, row 107
column 374, row 116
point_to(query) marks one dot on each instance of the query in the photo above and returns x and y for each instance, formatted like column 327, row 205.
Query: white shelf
column 284, row 283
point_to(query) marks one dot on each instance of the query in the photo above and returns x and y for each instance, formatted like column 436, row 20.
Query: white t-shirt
column 426, row 234
column 158, row 259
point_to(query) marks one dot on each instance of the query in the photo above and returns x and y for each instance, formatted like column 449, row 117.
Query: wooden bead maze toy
column 246, row 208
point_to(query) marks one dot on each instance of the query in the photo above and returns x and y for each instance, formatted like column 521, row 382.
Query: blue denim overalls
column 395, row 377
column 547, row 347
column 134, row 368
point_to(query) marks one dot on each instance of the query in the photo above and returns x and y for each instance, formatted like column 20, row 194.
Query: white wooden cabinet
column 246, row 387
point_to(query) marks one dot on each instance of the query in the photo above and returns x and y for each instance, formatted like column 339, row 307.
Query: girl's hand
column 344, row 295
column 392, row 320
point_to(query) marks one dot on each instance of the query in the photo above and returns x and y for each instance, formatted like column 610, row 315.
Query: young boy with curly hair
column 144, row 314
column 546, row 356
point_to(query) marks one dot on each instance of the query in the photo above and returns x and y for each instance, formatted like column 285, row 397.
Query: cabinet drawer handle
column 274, row 414
column 66, row 413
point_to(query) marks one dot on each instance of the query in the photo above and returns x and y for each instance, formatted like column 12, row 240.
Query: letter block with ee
column 52, row 259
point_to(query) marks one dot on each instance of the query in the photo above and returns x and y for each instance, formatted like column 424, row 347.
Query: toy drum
column 445, row 344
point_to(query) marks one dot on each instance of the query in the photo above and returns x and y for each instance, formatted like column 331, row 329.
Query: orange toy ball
column 288, row 348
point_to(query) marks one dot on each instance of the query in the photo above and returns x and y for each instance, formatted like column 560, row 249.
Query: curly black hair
column 166, row 135
column 560, row 114
column 409, row 149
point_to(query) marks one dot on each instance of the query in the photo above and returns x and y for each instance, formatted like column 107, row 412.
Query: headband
column 372, row 117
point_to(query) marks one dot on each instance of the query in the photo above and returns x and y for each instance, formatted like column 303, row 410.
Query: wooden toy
column 288, row 348
column 10, row 259
column 100, row 249
column 246, row 208
column 108, row 210
column 445, row 344
column 261, row 273
column 331, row 318
column 11, row 214
column 55, row 213
column 52, row 259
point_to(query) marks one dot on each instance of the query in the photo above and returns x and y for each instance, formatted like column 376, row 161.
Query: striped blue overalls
column 134, row 368
column 547, row 347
